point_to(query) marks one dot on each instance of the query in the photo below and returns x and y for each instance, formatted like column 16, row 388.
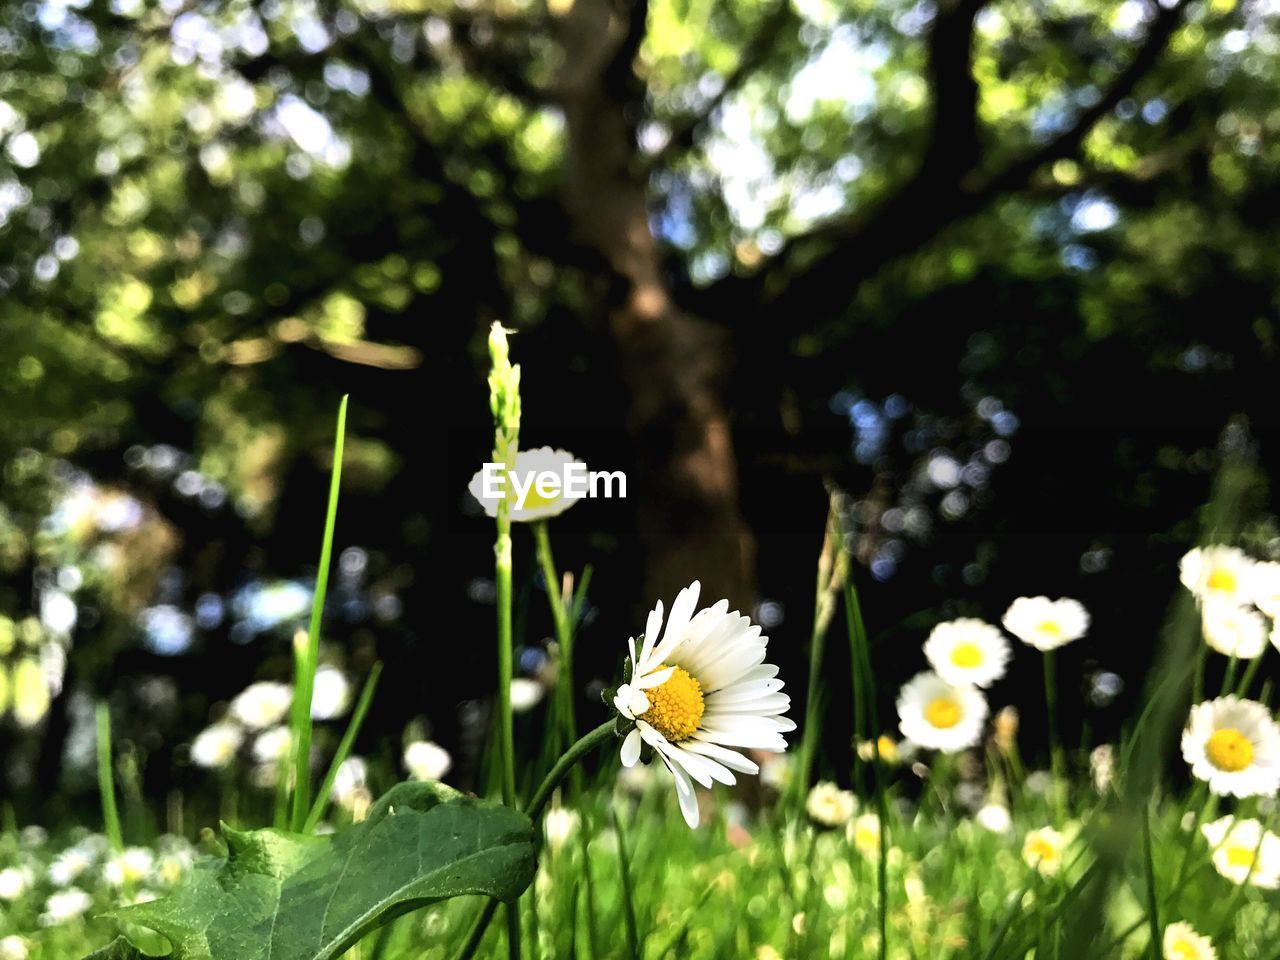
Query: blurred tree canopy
column 1005, row 272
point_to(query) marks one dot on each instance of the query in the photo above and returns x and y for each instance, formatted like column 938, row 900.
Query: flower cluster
column 255, row 724
column 945, row 709
column 84, row 878
column 1236, row 596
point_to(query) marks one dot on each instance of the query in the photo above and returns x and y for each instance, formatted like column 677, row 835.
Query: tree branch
column 953, row 132
column 757, row 50
column 1019, row 172
column 929, row 201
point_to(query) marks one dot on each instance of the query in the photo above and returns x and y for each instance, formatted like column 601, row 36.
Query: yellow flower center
column 1182, row 949
column 887, row 749
column 966, row 655
column 1050, row 628
column 1222, row 580
column 1239, row 856
column 1041, row 849
column 675, row 705
column 1229, row 750
column 942, row 712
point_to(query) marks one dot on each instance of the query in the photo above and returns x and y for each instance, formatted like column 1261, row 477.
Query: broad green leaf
column 286, row 896
column 118, row 949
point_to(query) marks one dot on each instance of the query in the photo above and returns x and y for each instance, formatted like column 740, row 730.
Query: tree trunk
column 673, row 368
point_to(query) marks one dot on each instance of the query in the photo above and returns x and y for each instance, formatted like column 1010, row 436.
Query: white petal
column 637, row 702
column 651, row 628
column 620, row 703
column 678, row 622
column 766, row 671
column 684, row 793
column 631, row 749
column 732, row 760
column 739, row 692
column 732, row 664
column 655, row 679
column 701, row 763
column 766, row 705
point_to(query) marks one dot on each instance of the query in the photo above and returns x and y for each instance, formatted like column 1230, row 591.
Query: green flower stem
column 106, row 781
column 504, row 403
column 553, row 779
column 506, row 730
column 1229, row 678
column 564, row 633
column 537, row 805
column 860, row 650
column 833, row 569
column 1250, row 672
column 1057, row 760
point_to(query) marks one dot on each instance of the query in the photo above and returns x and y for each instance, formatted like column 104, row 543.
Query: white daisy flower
column 994, row 817
column 1181, row 942
column 702, row 688
column 830, row 806
column 271, row 746
column 967, row 651
column 1239, row 632
column 65, row 905
column 13, row 947
column 526, row 694
column 1102, row 766
column 130, row 866
column 1218, row 574
column 1043, row 850
column 1265, row 588
column 864, row 833
column 560, row 824
column 938, row 715
column 538, row 504
column 262, row 705
column 1244, row 851
column 350, row 782
column 1046, row 624
column 775, row 771
column 215, row 747
column 331, row 695
column 14, row 882
column 426, row 760
column 1234, row 746
column 69, row 865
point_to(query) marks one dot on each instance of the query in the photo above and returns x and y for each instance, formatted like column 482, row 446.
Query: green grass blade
column 106, row 780
column 628, row 896
column 1153, row 898
column 344, row 748
column 305, row 678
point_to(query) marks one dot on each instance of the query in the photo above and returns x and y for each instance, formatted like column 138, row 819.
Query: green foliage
column 293, row 897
